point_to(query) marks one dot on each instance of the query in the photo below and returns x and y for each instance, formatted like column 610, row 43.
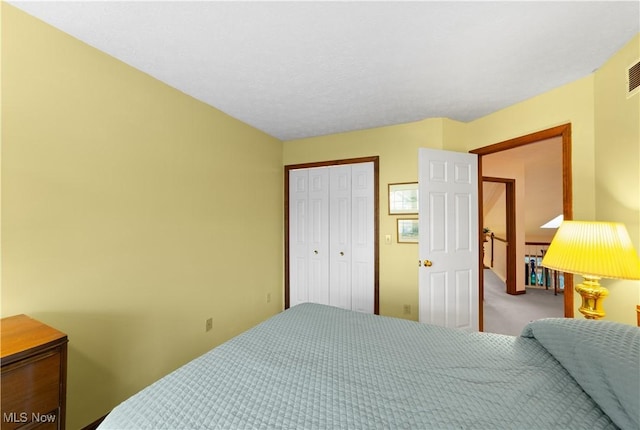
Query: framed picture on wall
column 407, row 230
column 403, row 198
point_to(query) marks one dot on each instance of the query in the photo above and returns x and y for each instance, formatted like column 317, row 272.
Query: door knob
column 315, row 251
column 341, row 253
column 427, row 263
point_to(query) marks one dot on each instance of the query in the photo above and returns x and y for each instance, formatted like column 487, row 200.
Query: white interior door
column 448, row 238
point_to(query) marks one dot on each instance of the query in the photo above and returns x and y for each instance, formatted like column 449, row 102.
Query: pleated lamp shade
column 596, row 249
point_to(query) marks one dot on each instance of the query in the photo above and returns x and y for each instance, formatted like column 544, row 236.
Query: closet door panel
column 298, row 236
column 300, row 269
column 363, row 240
column 340, row 236
column 318, row 244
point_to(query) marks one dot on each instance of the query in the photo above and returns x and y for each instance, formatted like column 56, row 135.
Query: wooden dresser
column 34, row 374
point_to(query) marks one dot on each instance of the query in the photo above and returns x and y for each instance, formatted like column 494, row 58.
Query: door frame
column 564, row 132
column 510, row 216
column 376, row 221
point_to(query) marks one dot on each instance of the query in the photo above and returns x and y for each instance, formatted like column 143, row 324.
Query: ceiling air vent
column 633, row 74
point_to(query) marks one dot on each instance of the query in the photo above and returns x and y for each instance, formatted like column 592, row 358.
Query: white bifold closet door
column 331, row 236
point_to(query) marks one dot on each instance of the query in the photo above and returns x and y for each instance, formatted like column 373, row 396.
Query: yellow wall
column 605, row 153
column 397, row 146
column 617, row 172
column 130, row 214
column 572, row 103
column 125, row 225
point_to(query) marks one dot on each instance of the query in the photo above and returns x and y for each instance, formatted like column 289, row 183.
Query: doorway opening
column 505, row 187
column 563, row 132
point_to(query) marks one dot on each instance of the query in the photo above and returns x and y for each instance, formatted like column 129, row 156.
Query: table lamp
column 594, row 250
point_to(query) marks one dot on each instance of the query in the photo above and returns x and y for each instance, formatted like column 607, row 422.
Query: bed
column 319, row 367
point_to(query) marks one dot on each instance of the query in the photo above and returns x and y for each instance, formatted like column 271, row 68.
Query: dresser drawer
column 31, row 391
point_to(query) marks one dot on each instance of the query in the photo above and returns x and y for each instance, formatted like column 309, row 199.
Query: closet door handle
column 341, row 253
column 315, row 251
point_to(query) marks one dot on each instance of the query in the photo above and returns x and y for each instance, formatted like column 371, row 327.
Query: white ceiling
column 309, row 68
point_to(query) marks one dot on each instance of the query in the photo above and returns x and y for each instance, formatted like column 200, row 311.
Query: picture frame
column 403, row 198
column 407, row 229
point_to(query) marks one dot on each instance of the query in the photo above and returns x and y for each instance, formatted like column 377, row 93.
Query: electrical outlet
column 406, row 309
column 268, row 297
column 209, row 324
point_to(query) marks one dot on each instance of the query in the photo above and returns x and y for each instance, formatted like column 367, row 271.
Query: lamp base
column 593, row 294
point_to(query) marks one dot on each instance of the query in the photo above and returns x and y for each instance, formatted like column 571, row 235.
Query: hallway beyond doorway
column 508, row 314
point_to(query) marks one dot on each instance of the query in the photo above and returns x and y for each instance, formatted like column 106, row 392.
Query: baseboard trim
column 94, row 425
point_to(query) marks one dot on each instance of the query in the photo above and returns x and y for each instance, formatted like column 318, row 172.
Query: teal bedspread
column 319, row 367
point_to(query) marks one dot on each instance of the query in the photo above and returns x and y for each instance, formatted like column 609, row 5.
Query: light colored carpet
column 507, row 314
